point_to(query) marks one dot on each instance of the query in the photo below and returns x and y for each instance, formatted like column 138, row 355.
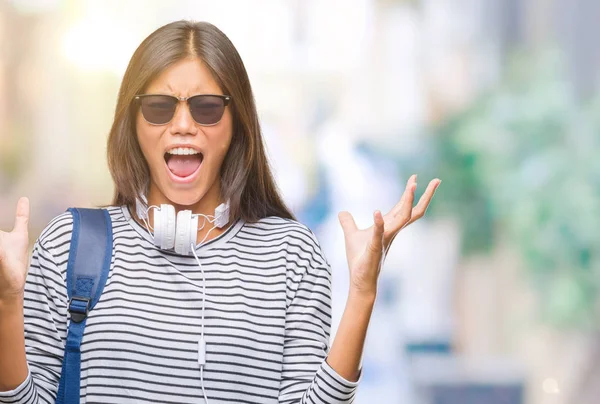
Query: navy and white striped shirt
column 267, row 319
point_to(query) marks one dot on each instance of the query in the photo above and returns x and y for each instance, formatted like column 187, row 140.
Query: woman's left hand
column 366, row 249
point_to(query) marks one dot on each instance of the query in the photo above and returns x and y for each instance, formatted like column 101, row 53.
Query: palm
column 366, row 248
column 13, row 253
column 355, row 246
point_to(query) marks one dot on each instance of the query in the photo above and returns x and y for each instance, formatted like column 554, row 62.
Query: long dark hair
column 246, row 178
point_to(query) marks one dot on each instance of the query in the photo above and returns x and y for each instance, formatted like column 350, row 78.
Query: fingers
column 22, row 216
column 347, row 222
column 377, row 239
column 419, row 210
column 402, row 217
column 396, row 209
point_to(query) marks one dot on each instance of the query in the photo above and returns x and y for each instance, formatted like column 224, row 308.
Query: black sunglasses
column 206, row 109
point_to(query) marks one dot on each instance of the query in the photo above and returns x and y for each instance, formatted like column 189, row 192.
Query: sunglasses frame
column 226, row 99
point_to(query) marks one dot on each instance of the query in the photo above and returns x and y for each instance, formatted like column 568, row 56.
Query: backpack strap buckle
column 79, row 307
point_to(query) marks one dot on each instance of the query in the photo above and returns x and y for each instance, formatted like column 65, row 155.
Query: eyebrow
column 202, row 89
column 191, row 93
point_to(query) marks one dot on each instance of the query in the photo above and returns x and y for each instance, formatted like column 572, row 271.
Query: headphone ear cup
column 183, row 232
column 158, row 227
column 168, row 226
column 193, row 233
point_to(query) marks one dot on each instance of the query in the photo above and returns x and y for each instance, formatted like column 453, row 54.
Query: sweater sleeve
column 45, row 330
column 306, row 376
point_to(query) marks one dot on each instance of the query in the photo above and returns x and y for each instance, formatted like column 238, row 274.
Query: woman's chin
column 183, row 199
column 187, row 197
column 183, row 195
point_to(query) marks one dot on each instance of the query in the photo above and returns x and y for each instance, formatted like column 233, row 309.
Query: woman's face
column 185, row 157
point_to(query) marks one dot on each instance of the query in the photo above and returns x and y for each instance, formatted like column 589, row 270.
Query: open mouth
column 183, row 162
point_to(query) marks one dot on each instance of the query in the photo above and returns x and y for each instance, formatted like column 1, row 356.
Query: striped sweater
column 267, row 319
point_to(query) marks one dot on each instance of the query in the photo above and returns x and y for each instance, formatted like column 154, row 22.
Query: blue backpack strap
column 87, row 270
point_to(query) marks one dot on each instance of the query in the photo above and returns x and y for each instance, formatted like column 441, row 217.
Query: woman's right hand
column 14, row 256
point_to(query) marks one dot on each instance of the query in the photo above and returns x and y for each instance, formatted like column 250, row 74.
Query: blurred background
column 494, row 296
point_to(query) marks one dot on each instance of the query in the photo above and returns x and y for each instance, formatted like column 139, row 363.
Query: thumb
column 22, row 217
column 347, row 222
column 377, row 239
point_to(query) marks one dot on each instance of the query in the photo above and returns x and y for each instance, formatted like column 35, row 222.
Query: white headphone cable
column 145, row 218
column 202, row 342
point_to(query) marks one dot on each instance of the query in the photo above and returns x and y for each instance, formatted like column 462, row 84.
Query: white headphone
column 179, row 234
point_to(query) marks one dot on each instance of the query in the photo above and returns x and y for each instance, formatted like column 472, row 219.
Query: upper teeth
column 183, row 151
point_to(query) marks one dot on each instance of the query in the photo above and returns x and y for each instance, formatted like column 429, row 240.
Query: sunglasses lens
column 207, row 109
column 158, row 109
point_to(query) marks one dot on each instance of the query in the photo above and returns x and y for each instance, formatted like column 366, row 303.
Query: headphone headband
column 178, row 233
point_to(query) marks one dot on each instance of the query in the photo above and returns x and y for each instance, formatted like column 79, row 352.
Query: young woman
column 257, row 290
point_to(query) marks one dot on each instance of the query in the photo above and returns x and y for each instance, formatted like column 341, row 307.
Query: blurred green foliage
column 523, row 164
column 13, row 155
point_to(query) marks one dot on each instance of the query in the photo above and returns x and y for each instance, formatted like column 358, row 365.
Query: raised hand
column 366, row 248
column 13, row 254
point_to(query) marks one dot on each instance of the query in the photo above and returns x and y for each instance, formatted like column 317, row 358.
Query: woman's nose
column 182, row 122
